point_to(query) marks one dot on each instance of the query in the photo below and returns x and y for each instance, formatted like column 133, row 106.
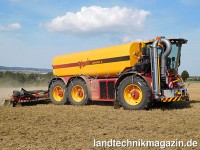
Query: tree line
column 20, row 78
column 10, row 78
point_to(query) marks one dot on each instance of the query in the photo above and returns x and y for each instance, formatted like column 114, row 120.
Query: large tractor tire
column 58, row 93
column 134, row 93
column 78, row 92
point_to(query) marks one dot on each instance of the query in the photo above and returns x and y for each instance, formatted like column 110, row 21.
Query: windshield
column 173, row 59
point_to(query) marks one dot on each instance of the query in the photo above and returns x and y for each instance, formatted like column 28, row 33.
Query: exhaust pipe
column 154, row 64
column 163, row 67
column 154, row 69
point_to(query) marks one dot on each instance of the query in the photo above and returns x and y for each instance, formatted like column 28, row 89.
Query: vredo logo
column 84, row 63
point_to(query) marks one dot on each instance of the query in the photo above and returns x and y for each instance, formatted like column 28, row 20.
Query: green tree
column 1, row 74
column 9, row 75
column 185, row 75
column 31, row 78
column 20, row 77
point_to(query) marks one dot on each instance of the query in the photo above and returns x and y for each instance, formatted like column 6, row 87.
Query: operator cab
column 173, row 60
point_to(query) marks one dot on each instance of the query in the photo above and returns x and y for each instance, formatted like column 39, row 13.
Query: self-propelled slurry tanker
column 135, row 75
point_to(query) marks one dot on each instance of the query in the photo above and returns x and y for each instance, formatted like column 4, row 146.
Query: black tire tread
column 148, row 98
column 80, row 82
column 60, row 83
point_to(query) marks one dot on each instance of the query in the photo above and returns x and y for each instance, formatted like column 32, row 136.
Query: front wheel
column 134, row 93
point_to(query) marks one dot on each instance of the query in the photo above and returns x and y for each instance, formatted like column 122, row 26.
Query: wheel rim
column 77, row 93
column 58, row 93
column 133, row 94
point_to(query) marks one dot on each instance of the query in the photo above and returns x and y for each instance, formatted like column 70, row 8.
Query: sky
column 33, row 32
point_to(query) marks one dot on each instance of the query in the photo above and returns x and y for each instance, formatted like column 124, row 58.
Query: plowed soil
column 48, row 126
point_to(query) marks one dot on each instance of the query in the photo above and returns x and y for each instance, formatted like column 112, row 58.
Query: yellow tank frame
column 109, row 61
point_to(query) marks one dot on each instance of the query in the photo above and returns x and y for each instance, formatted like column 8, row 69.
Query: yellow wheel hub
column 133, row 94
column 58, row 93
column 77, row 93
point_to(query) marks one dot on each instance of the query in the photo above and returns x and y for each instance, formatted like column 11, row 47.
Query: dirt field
column 47, row 126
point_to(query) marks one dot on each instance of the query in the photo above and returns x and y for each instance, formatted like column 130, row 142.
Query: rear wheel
column 77, row 92
column 58, row 93
column 134, row 93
